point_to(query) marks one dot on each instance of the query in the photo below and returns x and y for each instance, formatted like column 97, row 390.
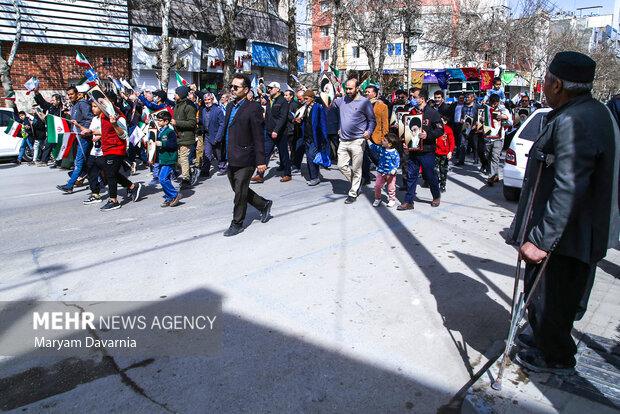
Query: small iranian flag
column 56, row 128
column 180, row 80
column 80, row 60
column 61, row 152
column 146, row 113
column 137, row 134
column 10, row 96
column 14, row 129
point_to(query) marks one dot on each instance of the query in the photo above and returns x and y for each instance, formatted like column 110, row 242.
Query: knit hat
column 161, row 94
column 182, row 91
column 573, row 67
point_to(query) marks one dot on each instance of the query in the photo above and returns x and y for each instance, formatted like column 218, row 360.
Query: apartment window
column 324, row 6
column 355, row 52
column 395, row 49
column 309, row 59
column 107, row 61
column 324, row 31
column 325, row 54
column 310, row 32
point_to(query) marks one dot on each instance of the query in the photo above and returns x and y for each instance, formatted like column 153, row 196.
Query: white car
column 9, row 146
column 516, row 155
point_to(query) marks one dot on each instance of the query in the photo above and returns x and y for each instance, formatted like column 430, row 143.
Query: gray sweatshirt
column 356, row 116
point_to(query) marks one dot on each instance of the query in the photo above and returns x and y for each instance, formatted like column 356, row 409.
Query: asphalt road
column 327, row 307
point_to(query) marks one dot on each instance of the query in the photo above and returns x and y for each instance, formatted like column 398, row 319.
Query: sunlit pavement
column 327, row 307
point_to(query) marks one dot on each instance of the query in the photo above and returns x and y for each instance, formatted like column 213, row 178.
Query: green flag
column 336, row 71
column 507, row 77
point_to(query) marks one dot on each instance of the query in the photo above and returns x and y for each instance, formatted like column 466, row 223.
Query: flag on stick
column 61, row 152
column 137, row 134
column 56, row 128
column 10, row 96
column 13, row 129
column 336, row 71
column 31, row 85
column 365, row 84
column 180, row 80
column 80, row 60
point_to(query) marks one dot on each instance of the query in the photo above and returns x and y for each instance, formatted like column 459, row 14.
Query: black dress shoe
column 533, row 360
column 233, row 230
column 264, row 214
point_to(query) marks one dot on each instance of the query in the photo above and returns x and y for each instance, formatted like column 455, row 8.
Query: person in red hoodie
column 443, row 153
column 114, row 146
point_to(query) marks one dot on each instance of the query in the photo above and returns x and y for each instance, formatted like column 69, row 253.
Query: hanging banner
column 471, row 73
column 486, row 78
column 456, row 74
column 417, row 78
column 508, row 77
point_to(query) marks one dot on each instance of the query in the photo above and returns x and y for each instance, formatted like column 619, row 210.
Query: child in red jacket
column 445, row 147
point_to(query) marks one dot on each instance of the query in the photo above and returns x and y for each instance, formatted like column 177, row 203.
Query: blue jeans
column 164, row 179
column 427, row 162
column 22, row 149
column 311, row 151
column 83, row 148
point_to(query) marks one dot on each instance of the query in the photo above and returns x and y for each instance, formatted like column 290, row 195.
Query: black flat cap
column 573, row 67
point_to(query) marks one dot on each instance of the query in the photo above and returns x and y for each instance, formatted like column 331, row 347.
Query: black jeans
column 95, row 166
column 282, row 144
column 554, row 305
column 112, row 166
column 297, row 151
column 239, row 178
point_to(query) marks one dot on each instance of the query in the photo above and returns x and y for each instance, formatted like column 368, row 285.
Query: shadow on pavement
column 260, row 370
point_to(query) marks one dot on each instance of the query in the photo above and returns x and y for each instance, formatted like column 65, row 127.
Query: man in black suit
column 245, row 151
column 575, row 213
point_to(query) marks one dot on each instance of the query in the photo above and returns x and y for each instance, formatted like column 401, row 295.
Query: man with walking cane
column 568, row 212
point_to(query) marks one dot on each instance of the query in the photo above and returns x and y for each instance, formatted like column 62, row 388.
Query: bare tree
column 371, row 24
column 6, row 64
column 165, row 43
column 569, row 34
column 292, row 43
column 337, row 19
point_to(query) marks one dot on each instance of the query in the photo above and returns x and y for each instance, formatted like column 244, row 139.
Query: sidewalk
column 595, row 389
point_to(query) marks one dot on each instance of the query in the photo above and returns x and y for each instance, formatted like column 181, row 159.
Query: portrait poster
column 400, row 124
column 394, row 119
column 151, row 146
column 327, row 91
column 413, row 126
column 101, row 100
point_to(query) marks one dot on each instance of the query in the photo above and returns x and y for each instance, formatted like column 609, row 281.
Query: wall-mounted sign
column 269, row 55
column 215, row 61
column 185, row 53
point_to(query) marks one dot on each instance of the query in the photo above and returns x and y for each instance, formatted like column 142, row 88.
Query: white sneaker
column 376, row 203
column 391, row 203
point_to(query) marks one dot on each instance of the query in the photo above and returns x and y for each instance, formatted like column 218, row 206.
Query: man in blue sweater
column 357, row 122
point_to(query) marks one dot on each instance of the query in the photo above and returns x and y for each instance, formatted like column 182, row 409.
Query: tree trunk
column 165, row 44
column 292, row 43
column 372, row 65
column 226, row 10
column 336, row 18
column 382, row 53
column 5, row 65
column 407, row 55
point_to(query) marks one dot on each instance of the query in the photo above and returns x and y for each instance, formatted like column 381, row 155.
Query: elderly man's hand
column 532, row 254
